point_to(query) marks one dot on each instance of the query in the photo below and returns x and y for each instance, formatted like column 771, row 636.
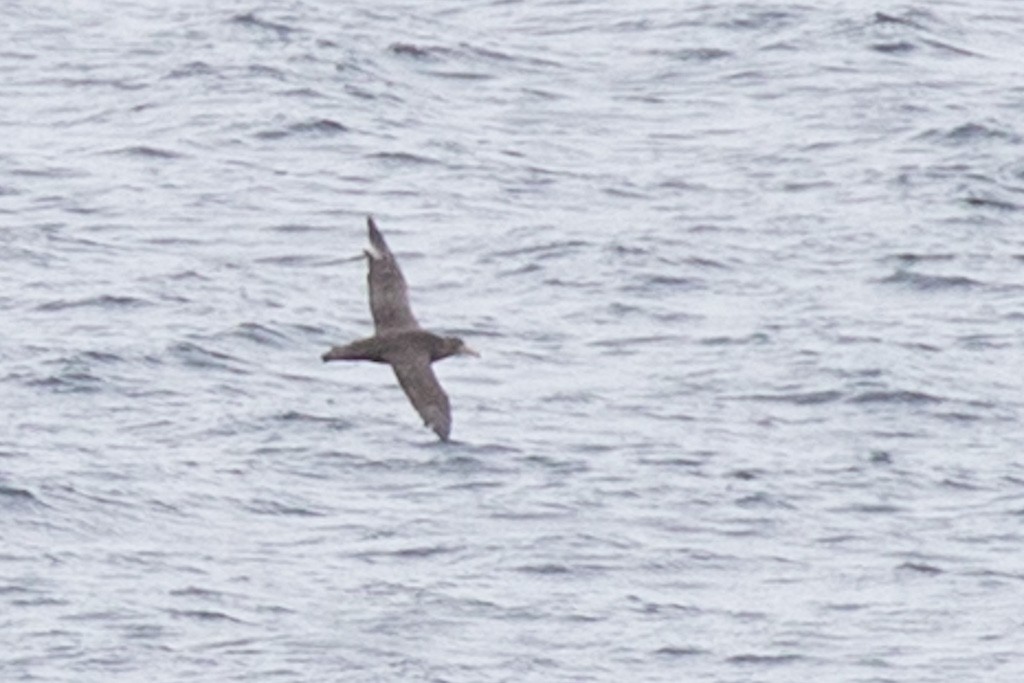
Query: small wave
column 571, row 397
column 947, row 47
column 624, row 193
column 187, row 275
column 273, row 507
column 971, row 133
column 885, row 18
column 464, row 53
column 56, row 172
column 920, row 568
column 116, row 83
column 72, row 381
column 402, row 158
column 699, row 54
column 250, row 20
column 203, row 615
column 754, row 338
column 197, row 68
column 316, row 127
column 99, row 357
column 671, row 462
column 929, row 282
column 103, row 301
column 262, row 70
column 546, row 569
column 764, row 660
column 763, row 500
column 418, row 52
column 462, row 463
column 896, row 396
column 798, row 398
column 918, row 24
column 542, row 251
column 896, row 48
column 959, row 417
column 295, row 260
column 758, row 19
column 303, row 92
column 464, row 75
column 806, row 186
column 415, row 552
column 331, row 422
column 497, row 56
column 423, row 551
column 193, row 355
column 15, row 496
column 880, row 458
column 295, row 228
column 679, row 651
column 992, row 203
column 305, row 329
column 658, row 282
column 619, row 342
column 873, row 508
column 194, row 591
column 1011, row 174
column 147, row 152
column 907, row 257
column 259, row 334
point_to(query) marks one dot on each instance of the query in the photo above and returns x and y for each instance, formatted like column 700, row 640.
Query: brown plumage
column 400, row 341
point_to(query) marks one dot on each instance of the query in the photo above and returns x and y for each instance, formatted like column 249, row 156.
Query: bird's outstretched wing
column 424, row 391
column 389, row 297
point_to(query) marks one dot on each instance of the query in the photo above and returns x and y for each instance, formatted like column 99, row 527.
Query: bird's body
column 400, row 341
column 385, row 348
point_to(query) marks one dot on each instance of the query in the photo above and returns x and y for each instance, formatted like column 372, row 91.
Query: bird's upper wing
column 424, row 391
column 389, row 297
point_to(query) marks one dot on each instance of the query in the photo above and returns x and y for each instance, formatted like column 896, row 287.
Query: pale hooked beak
column 466, row 351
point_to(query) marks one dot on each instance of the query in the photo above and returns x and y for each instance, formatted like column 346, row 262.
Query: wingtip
column 441, row 430
column 372, row 229
column 378, row 247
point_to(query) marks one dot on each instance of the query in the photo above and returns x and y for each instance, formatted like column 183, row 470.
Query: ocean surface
column 748, row 283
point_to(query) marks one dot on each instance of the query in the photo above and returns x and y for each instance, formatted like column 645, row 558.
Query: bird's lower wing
column 424, row 391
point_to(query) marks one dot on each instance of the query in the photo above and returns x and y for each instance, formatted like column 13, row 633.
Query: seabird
column 400, row 341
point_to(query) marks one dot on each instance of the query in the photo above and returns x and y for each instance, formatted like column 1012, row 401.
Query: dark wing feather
column 389, row 297
column 424, row 391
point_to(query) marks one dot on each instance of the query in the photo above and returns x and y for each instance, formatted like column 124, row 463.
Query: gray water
column 748, row 282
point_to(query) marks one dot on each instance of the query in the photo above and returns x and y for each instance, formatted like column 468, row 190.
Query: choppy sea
column 748, row 283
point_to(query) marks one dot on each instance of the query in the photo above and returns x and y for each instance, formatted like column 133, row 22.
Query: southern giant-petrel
column 400, row 341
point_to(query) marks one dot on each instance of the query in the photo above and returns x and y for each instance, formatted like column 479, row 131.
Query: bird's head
column 454, row 346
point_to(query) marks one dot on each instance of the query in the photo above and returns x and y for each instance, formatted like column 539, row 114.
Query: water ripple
column 748, row 276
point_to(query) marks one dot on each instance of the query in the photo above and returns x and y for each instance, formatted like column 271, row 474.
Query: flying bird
column 399, row 340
